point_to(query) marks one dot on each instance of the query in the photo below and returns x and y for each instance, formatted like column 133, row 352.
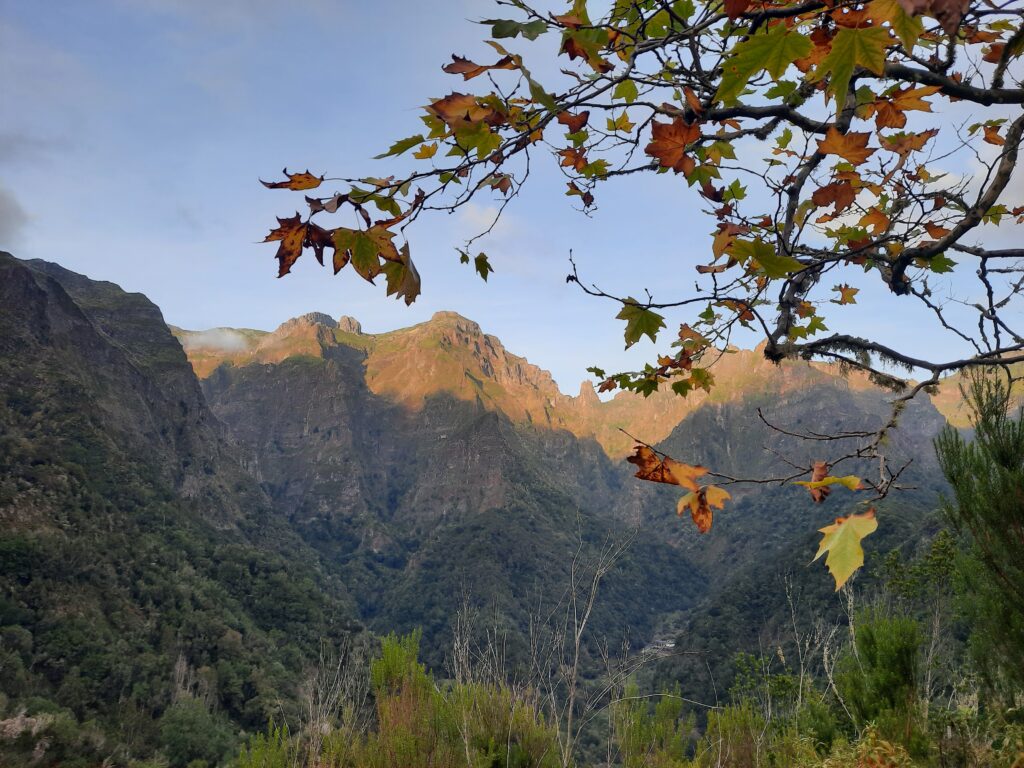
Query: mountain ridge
column 452, row 354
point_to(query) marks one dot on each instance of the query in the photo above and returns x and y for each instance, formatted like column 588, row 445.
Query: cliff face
column 133, row 538
column 431, row 457
column 450, row 356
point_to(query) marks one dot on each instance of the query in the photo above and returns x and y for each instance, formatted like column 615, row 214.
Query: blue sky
column 133, row 132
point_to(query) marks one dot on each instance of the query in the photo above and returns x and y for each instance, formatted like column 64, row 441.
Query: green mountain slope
column 141, row 567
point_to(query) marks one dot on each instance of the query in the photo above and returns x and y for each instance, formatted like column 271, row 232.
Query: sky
column 133, row 134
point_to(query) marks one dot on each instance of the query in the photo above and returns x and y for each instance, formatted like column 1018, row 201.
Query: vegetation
column 798, row 127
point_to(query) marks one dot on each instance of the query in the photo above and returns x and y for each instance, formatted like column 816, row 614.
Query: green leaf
column 772, row 50
column 627, row 91
column 841, row 541
column 770, row 263
column 508, row 28
column 482, row 265
column 402, row 146
column 639, row 322
column 780, row 90
column 940, row 263
column 852, row 47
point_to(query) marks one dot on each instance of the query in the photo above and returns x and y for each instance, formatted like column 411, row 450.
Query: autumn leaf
column 291, row 233
column 852, row 147
column 469, row 69
column 907, row 28
column 664, row 470
column 403, row 280
column 905, row 143
column 620, row 123
column 841, row 541
column 820, row 483
column 304, row 180
column 736, row 8
column 669, row 141
column 874, row 219
column 425, row 152
column 840, row 193
column 852, row 47
column 456, row 109
column 947, row 12
column 700, row 503
column 574, row 123
column 640, row 321
column 846, row 294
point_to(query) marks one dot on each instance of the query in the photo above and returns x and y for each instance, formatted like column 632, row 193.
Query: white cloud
column 13, row 219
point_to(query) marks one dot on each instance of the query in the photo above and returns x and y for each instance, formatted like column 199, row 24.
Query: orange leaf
column 700, row 503
column 935, row 231
column 852, row 147
column 841, row 193
column 304, row 180
column 667, row 470
column 292, row 234
column 574, row 123
column 875, row 219
column 469, row 69
column 669, row 142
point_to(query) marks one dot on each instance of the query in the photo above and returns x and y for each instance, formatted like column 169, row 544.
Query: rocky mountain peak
column 306, row 320
column 349, row 325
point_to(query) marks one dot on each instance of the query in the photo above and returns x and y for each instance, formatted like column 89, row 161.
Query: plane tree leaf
column 841, row 544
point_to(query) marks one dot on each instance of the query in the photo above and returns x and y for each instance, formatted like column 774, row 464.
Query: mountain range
column 220, row 501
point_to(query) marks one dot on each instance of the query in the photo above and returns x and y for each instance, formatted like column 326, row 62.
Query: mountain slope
column 141, row 567
column 419, row 498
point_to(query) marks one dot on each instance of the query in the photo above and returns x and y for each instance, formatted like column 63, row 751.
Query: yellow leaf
column 841, row 542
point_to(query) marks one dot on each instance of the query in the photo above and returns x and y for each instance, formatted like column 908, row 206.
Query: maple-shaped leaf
column 907, row 28
column 852, row 47
column 852, row 147
column 841, row 541
column 586, row 45
column 304, row 180
column 700, row 503
column 573, row 158
column 291, row 233
column 652, row 467
column 469, row 69
column 840, row 193
column 620, row 123
column 905, row 143
column 846, row 294
column 402, row 277
column 640, row 321
column 669, row 141
column 426, row 151
column 772, row 50
column 948, row 13
column 736, row 8
column 574, row 123
column 874, row 219
column 935, row 231
column 457, row 109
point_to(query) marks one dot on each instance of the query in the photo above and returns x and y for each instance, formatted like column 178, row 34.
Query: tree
column 798, row 126
column 987, row 507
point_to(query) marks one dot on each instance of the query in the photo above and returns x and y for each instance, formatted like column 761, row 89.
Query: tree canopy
column 801, row 127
